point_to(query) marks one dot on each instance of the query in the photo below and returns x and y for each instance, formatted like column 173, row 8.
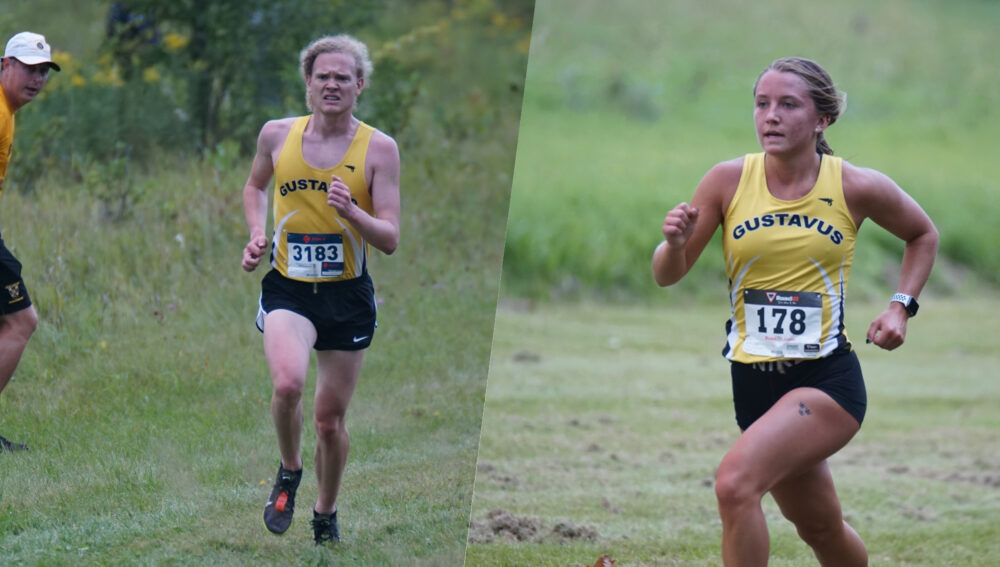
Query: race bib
column 315, row 255
column 783, row 324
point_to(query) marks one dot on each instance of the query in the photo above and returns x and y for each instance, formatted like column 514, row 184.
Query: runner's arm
column 688, row 228
column 871, row 194
column 382, row 229
column 255, row 197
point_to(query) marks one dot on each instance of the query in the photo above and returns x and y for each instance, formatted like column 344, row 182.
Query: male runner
column 336, row 192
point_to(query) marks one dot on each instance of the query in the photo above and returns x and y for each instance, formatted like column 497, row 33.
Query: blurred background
column 628, row 105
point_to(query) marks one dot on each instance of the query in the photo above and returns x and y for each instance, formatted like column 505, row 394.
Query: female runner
column 790, row 216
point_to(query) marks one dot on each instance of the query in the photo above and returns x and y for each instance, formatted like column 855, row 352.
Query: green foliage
column 232, row 60
column 201, row 76
column 628, row 104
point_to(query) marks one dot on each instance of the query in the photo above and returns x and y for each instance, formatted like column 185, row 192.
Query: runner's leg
column 800, row 431
column 288, row 341
column 338, row 372
column 810, row 501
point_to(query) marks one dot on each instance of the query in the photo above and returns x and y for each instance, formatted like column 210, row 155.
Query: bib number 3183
column 315, row 255
column 785, row 324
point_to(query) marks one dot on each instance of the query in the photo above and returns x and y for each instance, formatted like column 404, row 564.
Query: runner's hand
column 888, row 330
column 253, row 252
column 679, row 225
column 338, row 196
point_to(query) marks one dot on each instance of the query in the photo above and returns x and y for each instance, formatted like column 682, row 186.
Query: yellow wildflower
column 63, row 59
column 175, row 41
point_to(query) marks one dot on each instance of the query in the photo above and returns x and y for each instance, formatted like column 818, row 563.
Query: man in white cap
column 24, row 71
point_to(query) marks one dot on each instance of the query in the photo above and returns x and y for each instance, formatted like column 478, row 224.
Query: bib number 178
column 796, row 320
column 783, row 324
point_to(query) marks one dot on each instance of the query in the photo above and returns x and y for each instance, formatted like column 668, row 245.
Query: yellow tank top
column 788, row 264
column 311, row 241
column 6, row 135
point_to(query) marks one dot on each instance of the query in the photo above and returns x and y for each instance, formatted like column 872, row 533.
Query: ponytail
column 821, row 146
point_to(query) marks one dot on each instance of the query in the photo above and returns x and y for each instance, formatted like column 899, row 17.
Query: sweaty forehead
column 782, row 83
column 334, row 63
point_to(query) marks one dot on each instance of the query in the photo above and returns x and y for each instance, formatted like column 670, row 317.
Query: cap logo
column 39, row 45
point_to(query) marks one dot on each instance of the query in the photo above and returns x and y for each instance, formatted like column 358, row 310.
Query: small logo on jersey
column 826, row 200
column 811, row 347
column 351, row 167
column 14, row 290
column 359, row 339
column 770, row 296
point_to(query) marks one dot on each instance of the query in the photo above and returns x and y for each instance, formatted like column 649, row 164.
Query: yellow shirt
column 788, row 264
column 6, row 135
column 311, row 241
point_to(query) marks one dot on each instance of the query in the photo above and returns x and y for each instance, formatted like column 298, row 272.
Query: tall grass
column 627, row 106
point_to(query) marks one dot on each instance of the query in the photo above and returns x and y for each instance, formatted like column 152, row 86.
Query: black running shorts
column 757, row 387
column 13, row 295
column 342, row 312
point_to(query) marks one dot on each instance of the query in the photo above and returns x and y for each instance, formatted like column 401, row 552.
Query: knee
column 22, row 324
column 287, row 389
column 30, row 323
column 734, row 487
column 330, row 426
column 817, row 532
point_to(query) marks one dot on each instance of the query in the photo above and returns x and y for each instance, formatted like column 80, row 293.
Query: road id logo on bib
column 783, row 324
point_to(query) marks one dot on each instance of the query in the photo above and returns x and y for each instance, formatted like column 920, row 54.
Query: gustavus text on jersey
column 302, row 185
column 788, row 219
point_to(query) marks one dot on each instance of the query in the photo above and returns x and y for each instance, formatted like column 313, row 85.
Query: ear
column 822, row 123
column 361, row 84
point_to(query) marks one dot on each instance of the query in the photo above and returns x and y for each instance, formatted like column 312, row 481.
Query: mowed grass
column 604, row 425
column 628, row 104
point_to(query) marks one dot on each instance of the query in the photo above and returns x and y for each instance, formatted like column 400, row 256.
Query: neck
column 791, row 166
column 332, row 124
column 6, row 98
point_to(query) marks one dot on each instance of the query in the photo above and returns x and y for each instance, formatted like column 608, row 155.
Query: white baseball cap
column 30, row 49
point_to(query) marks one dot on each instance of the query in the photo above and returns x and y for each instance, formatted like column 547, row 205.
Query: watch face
column 909, row 303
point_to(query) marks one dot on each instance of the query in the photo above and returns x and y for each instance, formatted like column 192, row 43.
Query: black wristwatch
column 908, row 301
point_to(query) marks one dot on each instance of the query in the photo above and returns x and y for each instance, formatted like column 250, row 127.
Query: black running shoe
column 281, row 503
column 325, row 528
column 10, row 446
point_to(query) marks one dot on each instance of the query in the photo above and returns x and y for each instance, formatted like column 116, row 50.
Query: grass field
column 603, row 427
column 144, row 394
